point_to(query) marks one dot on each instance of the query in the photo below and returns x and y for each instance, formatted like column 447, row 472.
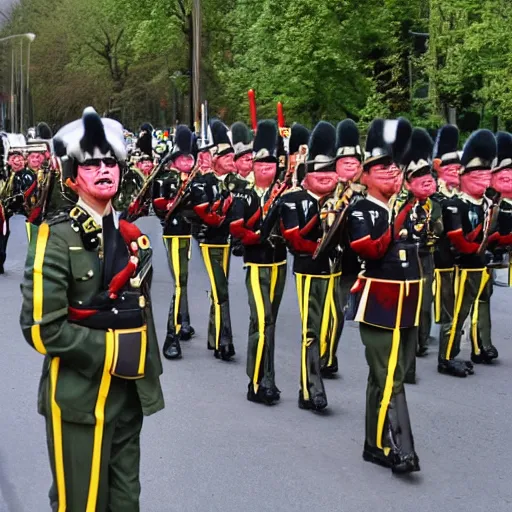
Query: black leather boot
column 454, row 368
column 315, row 403
column 376, row 456
column 330, row 371
column 172, row 348
column 187, row 332
column 264, row 395
column 483, row 358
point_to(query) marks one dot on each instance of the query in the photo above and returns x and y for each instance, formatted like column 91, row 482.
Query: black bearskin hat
column 447, row 145
column 417, row 159
column 145, row 144
column 322, row 148
column 299, row 136
column 347, row 140
column 397, row 134
column 242, row 138
column 182, row 142
column 265, row 142
column 147, row 127
column 504, row 151
column 43, row 131
column 376, row 150
column 221, row 140
column 479, row 151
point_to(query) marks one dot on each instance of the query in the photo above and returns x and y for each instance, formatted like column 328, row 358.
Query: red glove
column 297, row 242
column 209, row 217
column 162, row 204
column 246, row 236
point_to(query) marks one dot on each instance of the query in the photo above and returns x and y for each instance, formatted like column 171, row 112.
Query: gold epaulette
column 292, row 189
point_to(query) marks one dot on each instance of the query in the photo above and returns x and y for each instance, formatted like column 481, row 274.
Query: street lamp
column 30, row 38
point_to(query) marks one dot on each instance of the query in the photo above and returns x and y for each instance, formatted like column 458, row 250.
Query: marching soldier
column 177, row 237
column 265, row 261
column 467, row 226
column 446, row 166
column 207, row 202
column 242, row 144
column 348, row 168
column 424, row 226
column 301, row 227
column 388, row 295
column 87, row 309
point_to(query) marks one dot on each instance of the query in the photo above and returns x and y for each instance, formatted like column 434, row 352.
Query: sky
column 4, row 6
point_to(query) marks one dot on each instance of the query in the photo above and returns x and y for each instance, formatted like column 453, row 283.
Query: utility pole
column 196, row 63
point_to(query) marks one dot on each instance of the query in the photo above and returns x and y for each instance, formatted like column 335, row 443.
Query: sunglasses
column 96, row 162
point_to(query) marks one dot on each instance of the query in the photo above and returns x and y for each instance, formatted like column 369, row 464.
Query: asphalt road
column 211, row 450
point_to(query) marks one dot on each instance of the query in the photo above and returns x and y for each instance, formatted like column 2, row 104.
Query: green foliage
column 324, row 59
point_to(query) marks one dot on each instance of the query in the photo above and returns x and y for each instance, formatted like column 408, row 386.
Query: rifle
column 181, row 192
column 493, row 199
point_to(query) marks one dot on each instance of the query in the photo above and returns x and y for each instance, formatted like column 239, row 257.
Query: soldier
column 177, row 237
column 207, row 203
column 466, row 225
column 424, row 226
column 388, row 302
column 242, row 144
column 87, row 309
column 446, row 166
column 301, row 228
column 348, row 168
column 265, row 261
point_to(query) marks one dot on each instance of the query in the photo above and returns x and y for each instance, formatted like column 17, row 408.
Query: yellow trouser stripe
column 274, row 274
column 390, row 377
column 326, row 317
column 211, row 275
column 99, row 413
column 335, row 320
column 474, row 319
column 459, row 296
column 260, row 310
column 225, row 260
column 437, row 296
column 420, row 300
column 42, row 239
column 175, row 255
column 57, row 436
column 27, row 228
column 305, row 309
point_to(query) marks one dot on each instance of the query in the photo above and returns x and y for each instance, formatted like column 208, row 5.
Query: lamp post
column 30, row 38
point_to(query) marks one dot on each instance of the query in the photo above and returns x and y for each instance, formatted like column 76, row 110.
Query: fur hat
column 504, row 151
column 322, row 148
column 347, row 140
column 182, row 142
column 43, row 132
column 145, row 143
column 299, row 136
column 265, row 146
column 242, row 138
column 417, row 159
column 220, row 135
column 479, row 151
column 377, row 151
column 92, row 137
column 397, row 133
column 447, row 144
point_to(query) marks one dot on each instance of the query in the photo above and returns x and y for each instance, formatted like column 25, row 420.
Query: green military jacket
column 75, row 379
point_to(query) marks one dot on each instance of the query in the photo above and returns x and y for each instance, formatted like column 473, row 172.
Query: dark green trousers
column 337, row 293
column 216, row 259
column 444, row 305
column 471, row 284
column 265, row 287
column 178, row 256
column 312, row 292
column 425, row 326
column 95, row 468
column 481, row 312
column 389, row 359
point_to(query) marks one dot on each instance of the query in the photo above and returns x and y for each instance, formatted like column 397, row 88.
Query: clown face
column 320, row 183
column 502, row 182
column 450, row 175
column 35, row 160
column 97, row 181
column 422, row 187
column 184, row 163
column 224, row 164
column 348, row 168
column 16, row 161
column 145, row 166
column 475, row 183
column 382, row 180
column 264, row 174
column 204, row 161
column 244, row 165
